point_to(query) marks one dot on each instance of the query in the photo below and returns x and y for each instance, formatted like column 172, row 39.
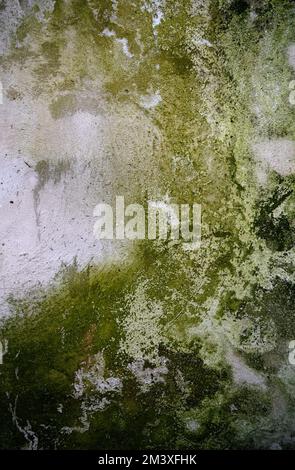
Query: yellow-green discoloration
column 189, row 347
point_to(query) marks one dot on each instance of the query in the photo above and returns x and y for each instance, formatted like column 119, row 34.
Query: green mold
column 211, row 68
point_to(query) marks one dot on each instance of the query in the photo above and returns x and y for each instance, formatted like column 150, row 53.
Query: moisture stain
column 167, row 348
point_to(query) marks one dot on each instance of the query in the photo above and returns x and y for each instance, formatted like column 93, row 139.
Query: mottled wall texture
column 145, row 344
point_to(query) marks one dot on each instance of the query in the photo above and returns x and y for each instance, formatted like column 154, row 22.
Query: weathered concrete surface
column 146, row 345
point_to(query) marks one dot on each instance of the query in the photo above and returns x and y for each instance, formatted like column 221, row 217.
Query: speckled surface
column 142, row 344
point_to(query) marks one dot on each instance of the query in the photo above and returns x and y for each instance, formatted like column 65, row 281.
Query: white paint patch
column 150, row 101
column 157, row 18
column 93, row 377
column 148, row 376
column 200, row 41
column 108, row 33
column 122, row 41
column 155, row 9
column 125, row 47
column 291, row 55
column 46, row 222
column 277, row 155
column 44, row 229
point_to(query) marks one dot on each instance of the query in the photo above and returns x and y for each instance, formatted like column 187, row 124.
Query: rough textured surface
column 119, row 345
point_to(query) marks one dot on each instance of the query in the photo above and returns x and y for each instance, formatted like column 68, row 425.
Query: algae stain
column 147, row 311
